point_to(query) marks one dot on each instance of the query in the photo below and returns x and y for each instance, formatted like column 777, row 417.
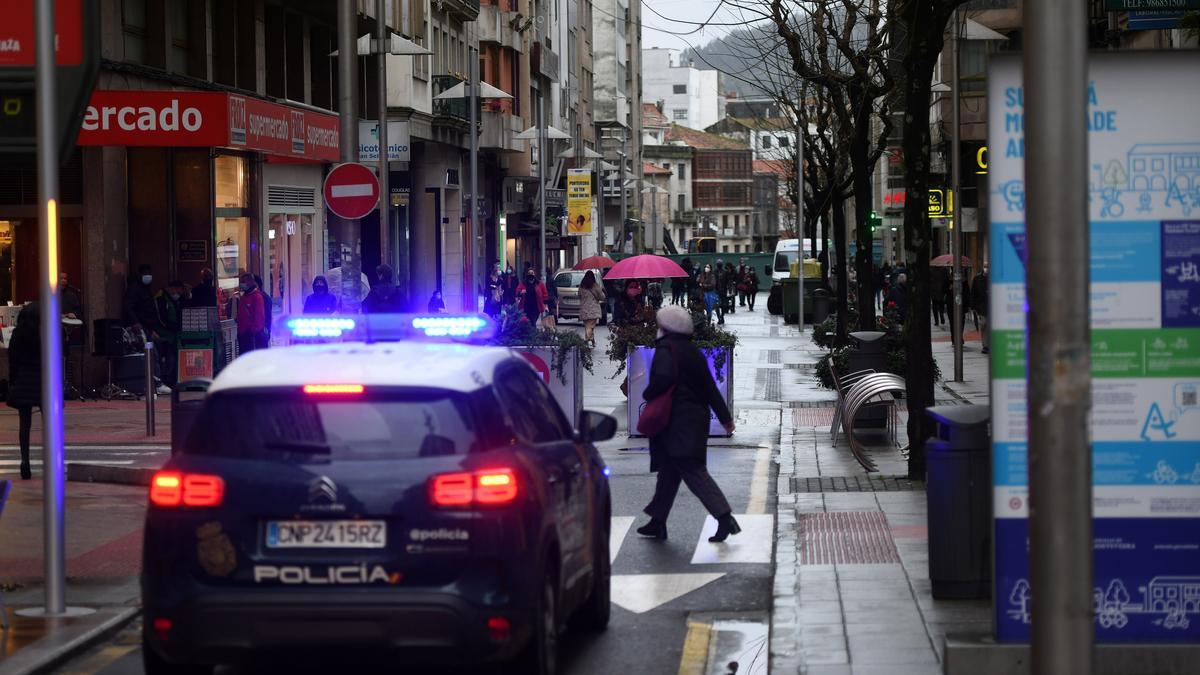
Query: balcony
column 467, row 10
column 498, row 131
column 496, row 27
column 453, row 108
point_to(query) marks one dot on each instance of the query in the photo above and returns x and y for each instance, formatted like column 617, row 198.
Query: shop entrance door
column 290, row 268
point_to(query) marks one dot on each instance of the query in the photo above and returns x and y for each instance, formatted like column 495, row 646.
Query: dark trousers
column 939, row 313
column 246, row 343
column 25, row 416
column 750, row 297
column 675, row 470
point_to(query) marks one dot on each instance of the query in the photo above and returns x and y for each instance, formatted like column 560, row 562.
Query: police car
column 424, row 502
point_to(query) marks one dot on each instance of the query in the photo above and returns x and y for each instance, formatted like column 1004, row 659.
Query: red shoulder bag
column 657, row 413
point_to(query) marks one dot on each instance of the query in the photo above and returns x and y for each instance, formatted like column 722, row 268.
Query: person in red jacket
column 251, row 316
column 532, row 295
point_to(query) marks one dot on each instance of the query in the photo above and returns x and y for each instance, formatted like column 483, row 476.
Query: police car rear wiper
column 299, row 447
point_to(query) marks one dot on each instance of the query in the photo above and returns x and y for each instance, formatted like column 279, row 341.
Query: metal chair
column 5, row 486
column 842, row 384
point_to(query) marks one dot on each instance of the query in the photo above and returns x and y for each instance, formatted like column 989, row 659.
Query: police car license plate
column 326, row 534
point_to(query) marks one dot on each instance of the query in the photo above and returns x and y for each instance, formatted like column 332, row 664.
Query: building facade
column 687, row 95
column 616, row 107
column 722, row 188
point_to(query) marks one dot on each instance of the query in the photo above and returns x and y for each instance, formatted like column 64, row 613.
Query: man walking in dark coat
column 979, row 302
column 679, row 453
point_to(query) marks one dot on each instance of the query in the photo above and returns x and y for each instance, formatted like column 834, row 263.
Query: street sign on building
column 1144, row 145
column 351, row 191
column 398, row 141
column 77, row 49
column 941, row 203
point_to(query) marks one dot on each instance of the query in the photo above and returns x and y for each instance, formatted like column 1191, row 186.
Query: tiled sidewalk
column 852, row 593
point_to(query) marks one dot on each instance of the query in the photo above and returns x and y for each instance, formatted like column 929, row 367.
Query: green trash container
column 791, row 301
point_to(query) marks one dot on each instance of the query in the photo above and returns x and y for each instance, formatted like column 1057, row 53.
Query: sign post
column 1135, row 447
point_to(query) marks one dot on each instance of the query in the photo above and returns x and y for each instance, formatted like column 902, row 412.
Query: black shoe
column 655, row 529
column 726, row 525
column 26, row 471
column 985, row 350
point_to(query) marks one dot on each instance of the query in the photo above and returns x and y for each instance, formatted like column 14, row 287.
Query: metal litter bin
column 820, row 310
column 958, row 492
column 868, row 354
column 186, row 400
column 791, row 301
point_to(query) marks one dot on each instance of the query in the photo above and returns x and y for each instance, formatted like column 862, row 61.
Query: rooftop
column 779, row 167
column 653, row 117
column 702, row 140
column 649, row 169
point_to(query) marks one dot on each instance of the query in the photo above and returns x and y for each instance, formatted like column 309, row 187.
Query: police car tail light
column 490, row 487
column 497, row 486
column 451, row 489
column 172, row 488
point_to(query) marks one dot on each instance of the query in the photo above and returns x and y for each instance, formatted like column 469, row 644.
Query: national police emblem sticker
column 215, row 551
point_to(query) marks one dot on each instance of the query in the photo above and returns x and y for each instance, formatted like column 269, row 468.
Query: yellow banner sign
column 579, row 202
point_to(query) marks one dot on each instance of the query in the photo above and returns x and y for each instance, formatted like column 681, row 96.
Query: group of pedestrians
column 721, row 288
column 892, row 287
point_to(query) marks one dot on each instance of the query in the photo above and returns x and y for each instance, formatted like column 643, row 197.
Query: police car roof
column 455, row 367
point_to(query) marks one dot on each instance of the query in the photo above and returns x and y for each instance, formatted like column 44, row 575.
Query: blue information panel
column 1144, row 200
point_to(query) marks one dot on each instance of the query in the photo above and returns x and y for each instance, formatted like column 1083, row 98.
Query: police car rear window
column 304, row 429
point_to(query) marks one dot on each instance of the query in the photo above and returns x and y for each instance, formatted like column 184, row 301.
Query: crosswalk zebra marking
column 752, row 545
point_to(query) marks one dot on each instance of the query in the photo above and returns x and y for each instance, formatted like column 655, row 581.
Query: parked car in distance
column 566, row 282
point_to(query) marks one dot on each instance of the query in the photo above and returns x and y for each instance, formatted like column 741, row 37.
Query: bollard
column 150, row 388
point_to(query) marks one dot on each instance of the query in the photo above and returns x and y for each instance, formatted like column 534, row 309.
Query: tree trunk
column 925, row 43
column 840, row 269
column 863, row 238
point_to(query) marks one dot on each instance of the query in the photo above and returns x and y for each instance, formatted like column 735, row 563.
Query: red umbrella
column 947, row 260
column 645, row 267
column 596, row 262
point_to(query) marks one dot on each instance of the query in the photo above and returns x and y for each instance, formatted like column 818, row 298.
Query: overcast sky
column 682, row 16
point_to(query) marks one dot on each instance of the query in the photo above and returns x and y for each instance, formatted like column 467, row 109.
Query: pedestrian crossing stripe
column 640, row 593
column 616, row 536
column 752, row 545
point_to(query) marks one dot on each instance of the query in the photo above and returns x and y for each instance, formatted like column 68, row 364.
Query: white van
column 787, row 251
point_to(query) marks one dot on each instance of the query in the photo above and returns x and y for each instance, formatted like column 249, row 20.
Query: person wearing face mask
column 707, row 281
column 138, row 309
column 629, row 305
column 251, row 314
column 532, row 295
column 321, row 301
column 169, row 307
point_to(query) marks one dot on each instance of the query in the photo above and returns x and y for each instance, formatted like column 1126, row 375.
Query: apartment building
column 688, row 96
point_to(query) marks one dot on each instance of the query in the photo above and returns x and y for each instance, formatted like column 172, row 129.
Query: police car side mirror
column 595, row 426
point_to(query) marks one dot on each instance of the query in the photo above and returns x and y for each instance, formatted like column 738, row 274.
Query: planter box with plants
column 560, row 357
column 632, row 347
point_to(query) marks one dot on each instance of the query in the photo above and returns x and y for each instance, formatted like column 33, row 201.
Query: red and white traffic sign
column 351, row 191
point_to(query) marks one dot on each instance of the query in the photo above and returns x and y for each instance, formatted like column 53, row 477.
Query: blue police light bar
column 320, row 326
column 393, row 327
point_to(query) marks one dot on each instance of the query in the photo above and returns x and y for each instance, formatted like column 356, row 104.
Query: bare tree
column 841, row 46
column 921, row 24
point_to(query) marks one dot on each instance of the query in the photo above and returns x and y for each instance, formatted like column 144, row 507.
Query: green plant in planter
column 622, row 340
column 514, row 330
column 836, row 358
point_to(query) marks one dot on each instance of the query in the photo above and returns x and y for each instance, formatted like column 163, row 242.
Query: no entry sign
column 351, row 191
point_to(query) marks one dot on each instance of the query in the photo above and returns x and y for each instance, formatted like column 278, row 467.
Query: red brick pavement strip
column 845, row 537
column 103, row 537
column 100, row 422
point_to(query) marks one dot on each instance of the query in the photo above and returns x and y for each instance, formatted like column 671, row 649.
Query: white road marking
column 640, row 593
column 760, row 480
column 620, row 528
column 356, row 190
column 751, row 545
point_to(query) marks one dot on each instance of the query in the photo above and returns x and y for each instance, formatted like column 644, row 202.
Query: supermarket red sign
column 17, row 33
column 208, row 119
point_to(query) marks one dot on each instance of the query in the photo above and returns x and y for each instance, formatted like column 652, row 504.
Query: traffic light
column 875, row 220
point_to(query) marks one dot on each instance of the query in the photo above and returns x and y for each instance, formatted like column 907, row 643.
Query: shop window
column 237, row 242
